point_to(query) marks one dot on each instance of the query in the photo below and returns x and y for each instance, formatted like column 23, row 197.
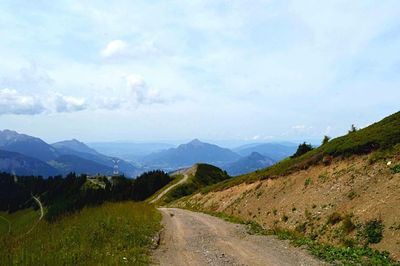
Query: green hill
column 204, row 175
column 381, row 136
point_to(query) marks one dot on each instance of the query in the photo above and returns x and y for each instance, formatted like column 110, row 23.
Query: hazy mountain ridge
column 80, row 149
column 130, row 151
column 70, row 163
column 58, row 158
column 275, row 151
column 27, row 145
column 248, row 164
column 73, row 145
column 19, row 164
column 191, row 153
column 72, row 155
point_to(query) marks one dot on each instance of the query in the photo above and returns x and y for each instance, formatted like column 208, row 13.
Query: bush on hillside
column 302, row 149
column 373, row 231
column 326, row 139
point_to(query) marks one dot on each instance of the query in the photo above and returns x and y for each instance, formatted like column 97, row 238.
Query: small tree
column 353, row 129
column 302, row 149
column 326, row 139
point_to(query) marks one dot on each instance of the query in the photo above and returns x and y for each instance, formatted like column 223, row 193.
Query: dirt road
column 186, row 173
column 183, row 180
column 191, row 238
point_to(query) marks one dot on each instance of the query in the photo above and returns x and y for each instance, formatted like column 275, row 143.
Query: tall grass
column 110, row 234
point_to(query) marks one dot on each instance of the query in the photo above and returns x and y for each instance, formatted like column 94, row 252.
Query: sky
column 149, row 70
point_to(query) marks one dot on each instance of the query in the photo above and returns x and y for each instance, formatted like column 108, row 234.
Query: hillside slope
column 16, row 163
column 27, row 145
column 194, row 178
column 344, row 193
column 80, row 149
column 110, row 234
column 383, row 135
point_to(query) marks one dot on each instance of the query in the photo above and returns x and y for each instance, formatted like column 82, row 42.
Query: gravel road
column 191, row 238
column 183, row 180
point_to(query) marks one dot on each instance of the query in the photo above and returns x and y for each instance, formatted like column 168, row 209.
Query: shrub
column 308, row 181
column 396, row 169
column 302, row 149
column 373, row 231
column 352, row 195
column 327, row 159
column 348, row 226
column 334, row 218
column 301, row 228
column 353, row 129
column 326, row 139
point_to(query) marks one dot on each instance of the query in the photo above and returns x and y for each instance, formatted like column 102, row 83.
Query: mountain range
column 186, row 155
column 274, row 151
column 20, row 152
column 27, row 155
column 248, row 164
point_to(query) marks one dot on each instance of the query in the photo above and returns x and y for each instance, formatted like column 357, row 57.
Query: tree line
column 63, row 195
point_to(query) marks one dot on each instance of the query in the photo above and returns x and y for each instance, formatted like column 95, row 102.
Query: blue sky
column 177, row 70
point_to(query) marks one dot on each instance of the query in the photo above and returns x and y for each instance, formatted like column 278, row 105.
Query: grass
column 110, row 234
column 336, row 255
column 20, row 222
column 176, row 179
column 205, row 175
column 382, row 137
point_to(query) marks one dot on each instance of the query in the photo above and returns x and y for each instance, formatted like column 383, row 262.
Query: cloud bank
column 13, row 102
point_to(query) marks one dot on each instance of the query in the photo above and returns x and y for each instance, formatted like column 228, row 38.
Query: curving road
column 183, row 180
column 191, row 238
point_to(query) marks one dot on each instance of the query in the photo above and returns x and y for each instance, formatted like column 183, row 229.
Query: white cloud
column 13, row 102
column 18, row 103
column 114, row 49
column 119, row 49
column 67, row 104
column 139, row 92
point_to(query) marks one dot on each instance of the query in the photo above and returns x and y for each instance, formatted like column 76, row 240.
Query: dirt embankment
column 191, row 238
column 352, row 189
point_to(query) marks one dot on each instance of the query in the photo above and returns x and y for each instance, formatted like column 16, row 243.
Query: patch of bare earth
column 191, row 238
column 304, row 200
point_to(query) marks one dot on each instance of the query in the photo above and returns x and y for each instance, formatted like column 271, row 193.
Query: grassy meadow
column 110, row 234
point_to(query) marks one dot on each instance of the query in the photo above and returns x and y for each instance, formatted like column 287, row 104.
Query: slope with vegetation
column 340, row 199
column 381, row 136
column 197, row 177
column 65, row 195
column 87, row 221
column 111, row 234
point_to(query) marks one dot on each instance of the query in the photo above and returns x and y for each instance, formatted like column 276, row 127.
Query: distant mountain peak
column 195, row 142
column 191, row 153
column 75, row 145
column 256, row 155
